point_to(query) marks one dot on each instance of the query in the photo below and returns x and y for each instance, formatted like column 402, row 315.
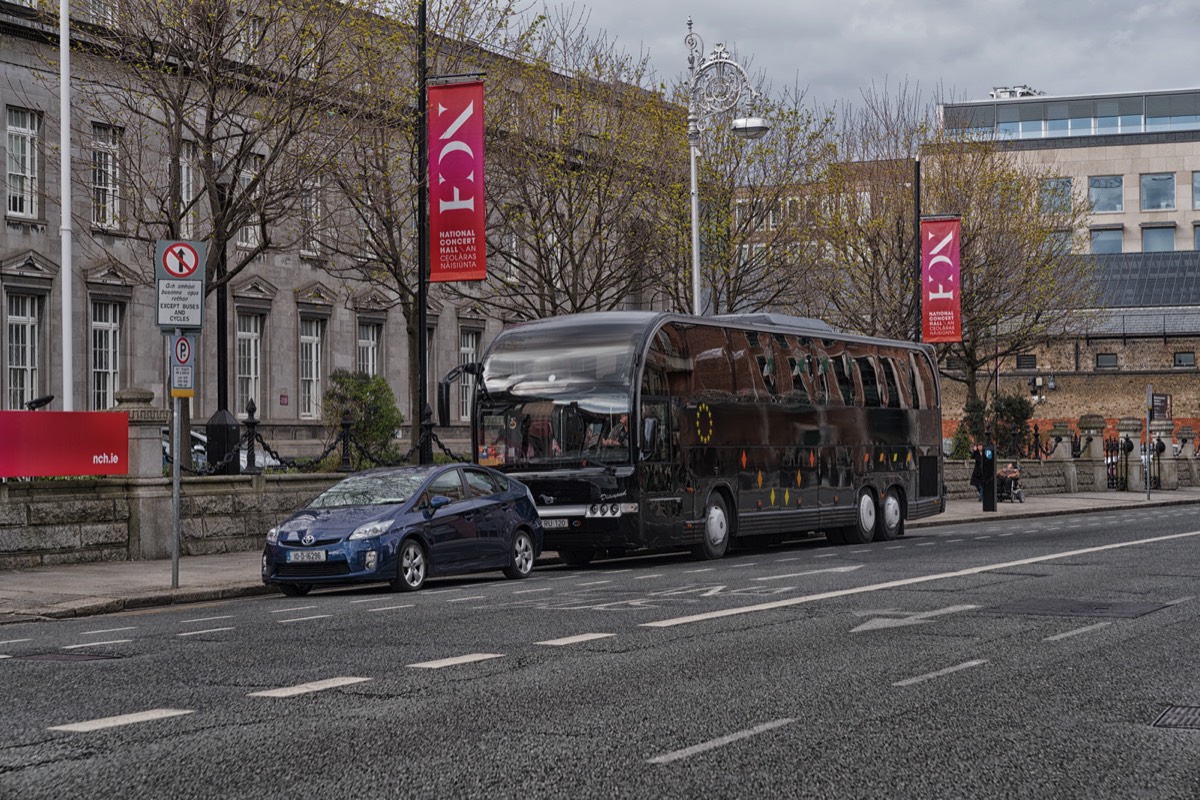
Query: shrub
column 367, row 401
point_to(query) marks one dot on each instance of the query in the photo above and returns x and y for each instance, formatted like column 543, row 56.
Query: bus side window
column 711, row 370
column 841, row 369
column 870, row 382
column 894, row 399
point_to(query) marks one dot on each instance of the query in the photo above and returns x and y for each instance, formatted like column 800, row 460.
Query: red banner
column 457, row 247
column 941, row 281
column 41, row 444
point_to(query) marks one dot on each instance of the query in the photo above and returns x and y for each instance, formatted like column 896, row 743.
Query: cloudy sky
column 961, row 49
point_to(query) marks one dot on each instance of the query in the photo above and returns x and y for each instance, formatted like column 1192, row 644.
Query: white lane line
column 712, row 744
column 1169, row 603
column 442, row 591
column 1013, row 533
column 793, row 558
column 977, row 538
column 930, row 675
column 5, row 655
column 615, row 571
column 746, row 564
column 856, row 552
column 389, row 608
column 198, row 633
column 290, row 609
column 583, row 637
column 532, row 591
column 304, row 619
column 809, row 572
column 702, row 569
column 940, row 576
column 647, row 577
column 952, row 541
column 306, row 688
column 926, row 544
column 371, row 600
column 1077, row 631
column 108, row 630
column 828, row 555
column 205, row 619
column 97, row 644
column 465, row 599
column 593, row 583
column 124, row 719
column 16, row 641
column 453, row 662
column 895, row 547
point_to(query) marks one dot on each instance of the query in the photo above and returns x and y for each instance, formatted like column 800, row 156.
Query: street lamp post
column 716, row 84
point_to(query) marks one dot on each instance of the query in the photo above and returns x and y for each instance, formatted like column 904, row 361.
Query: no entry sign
column 179, row 270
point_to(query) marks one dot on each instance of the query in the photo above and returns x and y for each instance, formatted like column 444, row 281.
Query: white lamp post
column 716, row 84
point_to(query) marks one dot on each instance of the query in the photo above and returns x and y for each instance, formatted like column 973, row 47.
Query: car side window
column 448, row 484
column 481, row 483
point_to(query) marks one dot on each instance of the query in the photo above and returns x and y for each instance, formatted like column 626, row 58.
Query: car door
column 452, row 530
column 494, row 516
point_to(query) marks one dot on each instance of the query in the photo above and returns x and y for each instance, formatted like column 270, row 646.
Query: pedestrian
column 977, row 471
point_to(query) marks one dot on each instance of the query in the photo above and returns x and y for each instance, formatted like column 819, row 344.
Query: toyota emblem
column 308, row 539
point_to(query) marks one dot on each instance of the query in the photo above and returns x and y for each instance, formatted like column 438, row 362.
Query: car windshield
column 369, row 490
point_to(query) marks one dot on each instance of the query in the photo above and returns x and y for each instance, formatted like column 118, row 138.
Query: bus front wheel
column 865, row 514
column 716, row 529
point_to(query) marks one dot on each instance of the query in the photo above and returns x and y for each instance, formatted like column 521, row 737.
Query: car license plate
column 557, row 522
column 305, row 555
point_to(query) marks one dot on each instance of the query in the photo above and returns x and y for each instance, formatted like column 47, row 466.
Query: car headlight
column 369, row 530
column 273, row 536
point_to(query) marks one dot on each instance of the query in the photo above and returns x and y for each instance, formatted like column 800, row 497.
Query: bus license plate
column 306, row 555
column 558, row 522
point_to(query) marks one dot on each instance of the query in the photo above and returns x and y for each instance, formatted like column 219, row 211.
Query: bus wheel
column 716, row 530
column 891, row 518
column 576, row 558
column 865, row 513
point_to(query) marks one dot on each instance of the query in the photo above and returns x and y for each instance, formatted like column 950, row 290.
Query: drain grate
column 64, row 657
column 1077, row 608
column 1185, row 717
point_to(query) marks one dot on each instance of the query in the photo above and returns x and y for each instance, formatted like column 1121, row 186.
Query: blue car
column 401, row 525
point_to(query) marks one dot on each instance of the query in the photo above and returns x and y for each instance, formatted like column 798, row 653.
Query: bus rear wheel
column 891, row 518
column 866, row 513
column 580, row 557
column 716, row 530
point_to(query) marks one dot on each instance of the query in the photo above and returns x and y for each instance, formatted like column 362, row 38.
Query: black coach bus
column 640, row 430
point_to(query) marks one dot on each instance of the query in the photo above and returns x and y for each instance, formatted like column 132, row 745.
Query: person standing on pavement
column 977, row 471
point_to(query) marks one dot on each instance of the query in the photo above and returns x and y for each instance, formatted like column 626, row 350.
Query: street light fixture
column 716, row 84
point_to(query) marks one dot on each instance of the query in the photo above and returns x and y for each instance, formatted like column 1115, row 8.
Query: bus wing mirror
column 443, row 402
column 649, row 435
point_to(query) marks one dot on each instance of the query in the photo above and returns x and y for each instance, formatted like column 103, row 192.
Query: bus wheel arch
column 718, row 525
column 892, row 510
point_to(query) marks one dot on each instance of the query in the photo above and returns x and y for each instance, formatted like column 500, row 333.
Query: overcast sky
column 966, row 47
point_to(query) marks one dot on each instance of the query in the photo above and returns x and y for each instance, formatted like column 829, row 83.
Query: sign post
column 1146, row 449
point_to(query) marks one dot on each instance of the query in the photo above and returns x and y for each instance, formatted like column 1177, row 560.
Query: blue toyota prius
column 400, row 525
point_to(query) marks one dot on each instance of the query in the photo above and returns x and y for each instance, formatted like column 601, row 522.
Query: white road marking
column 370, row 600
column 702, row 569
column 389, row 608
column 206, row 619
column 952, row 541
column 108, row 630
column 940, row 576
column 827, row 555
column 1077, row 631
column 304, row 619
column 939, row 673
column 198, row 633
column 5, row 655
column 910, row 619
column 712, row 744
column 809, row 572
column 306, row 688
column 532, row 591
column 895, row 547
column 1170, row 603
column 593, row 583
column 646, row 577
column 977, row 538
column 290, row 609
column 746, row 564
column 925, row 544
column 793, row 558
column 124, row 719
column 16, row 641
column 453, row 662
column 442, row 591
column 465, row 599
column 615, row 571
column 1008, row 534
column 583, row 637
column 856, row 552
column 97, row 644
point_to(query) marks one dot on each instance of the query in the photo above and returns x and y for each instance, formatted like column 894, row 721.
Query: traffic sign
column 183, row 365
column 180, row 260
column 179, row 273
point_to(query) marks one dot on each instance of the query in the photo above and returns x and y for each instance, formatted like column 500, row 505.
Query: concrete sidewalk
column 78, row 590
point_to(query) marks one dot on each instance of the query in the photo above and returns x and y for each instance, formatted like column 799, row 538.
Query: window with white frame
column 248, row 37
column 368, row 347
column 23, row 162
column 104, row 12
column 1158, row 191
column 468, row 351
column 22, row 348
column 249, row 359
column 312, row 340
column 1106, row 193
column 310, row 218
column 106, row 353
column 106, row 176
column 187, row 190
column 248, row 234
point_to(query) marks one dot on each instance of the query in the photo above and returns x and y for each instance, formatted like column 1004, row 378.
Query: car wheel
column 716, row 530
column 580, row 557
column 522, row 557
column 411, row 567
column 891, row 519
column 865, row 514
column 295, row 589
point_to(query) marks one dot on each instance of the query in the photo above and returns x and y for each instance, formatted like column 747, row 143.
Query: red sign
column 40, row 444
column 457, row 247
column 180, row 260
column 941, row 281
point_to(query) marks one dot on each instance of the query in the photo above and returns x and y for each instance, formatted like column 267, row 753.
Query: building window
column 106, row 176
column 23, row 351
column 1185, row 360
column 23, row 157
column 1196, row 190
column 249, row 360
column 1055, row 196
column 1106, row 193
column 1106, row 360
column 1027, row 362
column 1158, row 191
column 1107, row 241
column 310, row 219
column 106, row 353
column 368, row 347
column 1196, row 237
column 1158, row 240
column 248, row 234
column 468, row 351
column 312, row 341
column 187, row 190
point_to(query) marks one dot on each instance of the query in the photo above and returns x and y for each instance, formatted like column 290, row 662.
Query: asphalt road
column 1050, row 657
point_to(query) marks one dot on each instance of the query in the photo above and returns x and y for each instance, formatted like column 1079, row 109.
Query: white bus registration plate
column 557, row 522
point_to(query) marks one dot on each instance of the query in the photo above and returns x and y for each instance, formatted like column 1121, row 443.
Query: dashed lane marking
column 124, row 719
column 307, row 688
column 199, row 633
column 1076, row 632
column 593, row 583
column 108, row 630
column 647, row 577
column 390, row 608
column 465, row 599
column 532, row 591
column 453, row 662
column 16, row 641
column 931, row 675
column 206, row 619
column 97, row 644
column 304, row 619
column 291, row 609
column 712, row 744
column 583, row 637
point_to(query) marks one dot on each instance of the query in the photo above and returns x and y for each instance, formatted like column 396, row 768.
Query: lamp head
column 750, row 127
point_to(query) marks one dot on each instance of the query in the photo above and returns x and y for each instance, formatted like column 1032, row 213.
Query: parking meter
column 988, row 463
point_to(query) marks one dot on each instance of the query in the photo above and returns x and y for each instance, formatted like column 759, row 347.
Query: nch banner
column 457, row 246
column 941, row 281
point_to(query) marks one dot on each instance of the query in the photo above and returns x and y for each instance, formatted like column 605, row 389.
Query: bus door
column 661, row 479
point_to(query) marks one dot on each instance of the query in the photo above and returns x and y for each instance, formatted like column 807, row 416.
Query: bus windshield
column 577, row 359
column 591, row 429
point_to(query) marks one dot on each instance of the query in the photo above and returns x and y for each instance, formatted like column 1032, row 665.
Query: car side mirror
column 438, row 501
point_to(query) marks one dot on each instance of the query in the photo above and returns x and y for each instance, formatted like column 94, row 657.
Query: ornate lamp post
column 716, row 84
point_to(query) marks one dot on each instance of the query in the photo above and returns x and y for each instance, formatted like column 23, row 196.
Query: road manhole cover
column 1186, row 717
column 1077, row 608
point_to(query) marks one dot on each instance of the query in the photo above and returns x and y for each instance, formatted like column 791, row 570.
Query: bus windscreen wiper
column 608, row 468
